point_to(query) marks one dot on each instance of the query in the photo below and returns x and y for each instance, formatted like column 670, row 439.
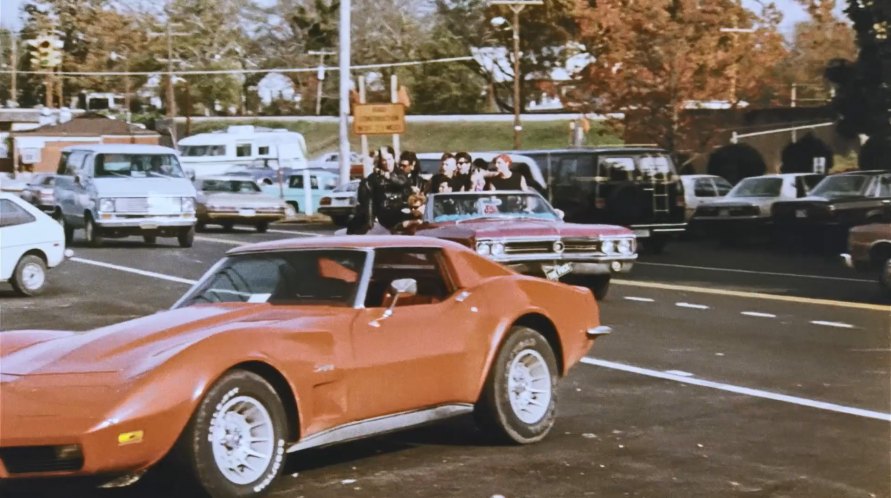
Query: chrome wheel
column 242, row 438
column 529, row 386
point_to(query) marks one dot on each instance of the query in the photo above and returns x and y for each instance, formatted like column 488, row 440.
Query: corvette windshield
column 317, row 276
column 466, row 206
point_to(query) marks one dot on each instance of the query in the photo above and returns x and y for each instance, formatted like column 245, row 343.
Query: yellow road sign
column 378, row 119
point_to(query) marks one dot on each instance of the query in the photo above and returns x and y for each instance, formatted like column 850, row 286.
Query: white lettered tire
column 234, row 445
column 519, row 399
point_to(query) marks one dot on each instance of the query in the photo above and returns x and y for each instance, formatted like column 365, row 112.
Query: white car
column 30, row 243
column 702, row 188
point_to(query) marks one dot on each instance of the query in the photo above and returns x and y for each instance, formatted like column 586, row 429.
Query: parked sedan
column 288, row 345
column 231, row 200
column 39, row 192
column 747, row 208
column 30, row 243
column 522, row 231
column 869, row 249
column 836, row 204
column 340, row 204
column 702, row 188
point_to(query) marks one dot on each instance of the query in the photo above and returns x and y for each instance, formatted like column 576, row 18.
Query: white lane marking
column 134, row 270
column 294, row 232
column 757, row 314
column 691, row 306
column 757, row 393
column 839, row 325
column 222, row 241
column 640, row 299
column 753, row 295
column 776, row 274
column 679, row 373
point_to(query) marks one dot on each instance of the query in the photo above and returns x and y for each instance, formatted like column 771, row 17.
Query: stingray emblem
column 323, row 368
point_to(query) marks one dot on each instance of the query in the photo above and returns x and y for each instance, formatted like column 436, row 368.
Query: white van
column 118, row 190
column 213, row 153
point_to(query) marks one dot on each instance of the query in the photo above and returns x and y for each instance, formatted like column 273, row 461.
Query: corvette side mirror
column 560, row 213
column 402, row 287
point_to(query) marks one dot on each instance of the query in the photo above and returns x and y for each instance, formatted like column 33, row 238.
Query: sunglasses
column 463, row 162
column 405, row 165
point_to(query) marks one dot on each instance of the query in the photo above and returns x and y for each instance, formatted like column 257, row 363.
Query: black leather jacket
column 383, row 197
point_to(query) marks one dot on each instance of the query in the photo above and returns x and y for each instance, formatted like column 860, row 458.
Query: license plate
column 641, row 233
column 724, row 212
column 554, row 272
column 801, row 213
column 148, row 226
column 340, row 202
column 246, row 212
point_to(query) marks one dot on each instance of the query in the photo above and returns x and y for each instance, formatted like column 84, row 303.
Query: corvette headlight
column 608, row 246
column 625, row 246
column 106, row 205
column 497, row 249
column 188, row 204
column 484, row 248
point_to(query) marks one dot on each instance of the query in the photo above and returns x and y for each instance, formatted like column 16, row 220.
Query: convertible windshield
column 837, row 186
column 757, row 187
column 319, row 276
column 240, row 186
column 138, row 166
column 465, row 206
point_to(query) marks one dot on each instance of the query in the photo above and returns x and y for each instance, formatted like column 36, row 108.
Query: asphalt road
column 730, row 372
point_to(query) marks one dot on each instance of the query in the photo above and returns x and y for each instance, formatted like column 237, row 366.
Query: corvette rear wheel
column 519, row 399
column 234, row 445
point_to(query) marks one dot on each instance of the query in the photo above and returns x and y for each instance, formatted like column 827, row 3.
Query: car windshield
column 757, row 187
column 202, row 150
column 138, row 166
column 836, row 186
column 311, row 276
column 466, row 206
column 242, row 186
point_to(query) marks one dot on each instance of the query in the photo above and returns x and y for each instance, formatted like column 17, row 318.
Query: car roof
column 349, row 242
column 121, row 149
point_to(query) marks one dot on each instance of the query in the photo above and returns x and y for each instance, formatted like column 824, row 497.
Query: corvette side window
column 423, row 265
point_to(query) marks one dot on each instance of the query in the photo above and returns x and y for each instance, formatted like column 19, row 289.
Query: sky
column 792, row 12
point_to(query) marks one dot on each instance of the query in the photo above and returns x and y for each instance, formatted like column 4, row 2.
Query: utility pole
column 14, row 62
column 516, row 6
column 320, row 76
column 344, row 63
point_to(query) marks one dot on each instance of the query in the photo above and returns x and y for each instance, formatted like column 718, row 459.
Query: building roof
column 88, row 125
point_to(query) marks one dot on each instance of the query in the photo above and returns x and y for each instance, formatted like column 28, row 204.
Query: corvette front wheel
column 519, row 399
column 234, row 445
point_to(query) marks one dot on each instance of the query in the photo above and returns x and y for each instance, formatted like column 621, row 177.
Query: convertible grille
column 515, row 248
column 26, row 459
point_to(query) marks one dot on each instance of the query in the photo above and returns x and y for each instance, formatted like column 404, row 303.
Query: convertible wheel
column 29, row 277
column 234, row 445
column 519, row 400
column 92, row 232
column 186, row 237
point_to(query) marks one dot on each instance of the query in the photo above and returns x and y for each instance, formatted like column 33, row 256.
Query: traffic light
column 47, row 51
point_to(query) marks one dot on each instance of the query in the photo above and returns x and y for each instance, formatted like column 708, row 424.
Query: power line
column 245, row 71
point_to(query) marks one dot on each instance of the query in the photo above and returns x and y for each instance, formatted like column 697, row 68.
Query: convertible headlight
column 608, row 246
column 625, row 246
column 106, row 205
column 484, row 248
column 188, row 204
column 497, row 249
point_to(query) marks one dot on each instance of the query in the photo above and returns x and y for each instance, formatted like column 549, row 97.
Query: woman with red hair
column 506, row 179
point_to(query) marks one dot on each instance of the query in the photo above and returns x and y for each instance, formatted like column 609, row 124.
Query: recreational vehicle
column 213, row 153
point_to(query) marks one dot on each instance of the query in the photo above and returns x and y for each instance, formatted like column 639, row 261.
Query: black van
column 636, row 187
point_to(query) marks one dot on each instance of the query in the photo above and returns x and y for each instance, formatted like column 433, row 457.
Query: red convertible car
column 521, row 230
column 288, row 345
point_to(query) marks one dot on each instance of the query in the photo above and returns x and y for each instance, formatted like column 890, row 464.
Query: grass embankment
column 435, row 137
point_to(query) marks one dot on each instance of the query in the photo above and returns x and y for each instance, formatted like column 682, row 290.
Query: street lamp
column 516, row 6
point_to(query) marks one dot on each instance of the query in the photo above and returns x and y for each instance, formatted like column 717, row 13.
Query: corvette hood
column 127, row 348
column 519, row 228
